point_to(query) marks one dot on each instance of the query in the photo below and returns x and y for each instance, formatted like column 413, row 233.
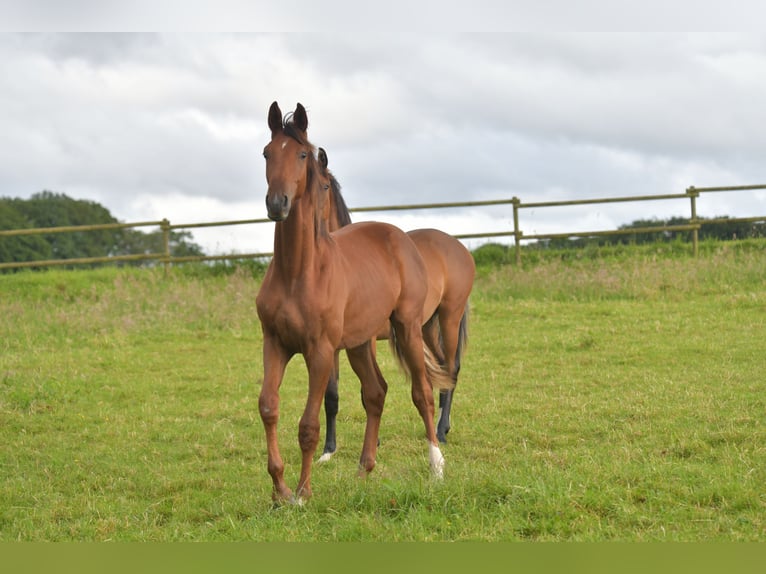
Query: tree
column 17, row 248
column 137, row 242
column 48, row 209
column 722, row 230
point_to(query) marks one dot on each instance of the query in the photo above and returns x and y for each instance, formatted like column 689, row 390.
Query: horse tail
column 435, row 372
column 462, row 338
column 438, row 377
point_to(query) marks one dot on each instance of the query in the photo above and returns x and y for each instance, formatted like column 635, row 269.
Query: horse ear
column 322, row 157
column 275, row 117
column 300, row 118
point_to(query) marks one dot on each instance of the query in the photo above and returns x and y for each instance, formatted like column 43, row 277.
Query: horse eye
column 304, row 155
column 265, row 154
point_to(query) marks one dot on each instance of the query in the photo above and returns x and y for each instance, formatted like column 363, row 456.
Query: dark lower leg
column 443, row 424
column 331, row 401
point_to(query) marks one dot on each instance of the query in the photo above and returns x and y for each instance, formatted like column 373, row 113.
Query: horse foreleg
column 331, row 400
column 374, row 389
column 274, row 362
column 320, row 364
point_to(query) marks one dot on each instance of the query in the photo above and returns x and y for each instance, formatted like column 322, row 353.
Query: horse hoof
column 283, row 499
column 437, row 461
column 365, row 468
column 325, row 457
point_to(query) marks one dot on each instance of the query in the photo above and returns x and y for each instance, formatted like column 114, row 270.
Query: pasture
column 617, row 397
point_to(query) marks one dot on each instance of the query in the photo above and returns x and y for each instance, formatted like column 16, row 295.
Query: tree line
column 48, row 209
column 722, row 229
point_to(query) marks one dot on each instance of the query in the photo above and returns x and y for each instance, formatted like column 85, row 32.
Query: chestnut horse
column 325, row 292
column 451, row 270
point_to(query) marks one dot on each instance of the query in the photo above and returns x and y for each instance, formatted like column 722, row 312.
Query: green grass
column 618, row 397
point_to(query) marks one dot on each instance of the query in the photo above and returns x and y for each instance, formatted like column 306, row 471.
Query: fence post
column 516, row 233
column 165, row 226
column 693, row 195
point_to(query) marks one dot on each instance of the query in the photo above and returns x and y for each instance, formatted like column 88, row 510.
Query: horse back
column 450, row 268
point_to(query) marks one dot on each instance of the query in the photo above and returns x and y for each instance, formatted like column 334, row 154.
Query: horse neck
column 333, row 223
column 296, row 240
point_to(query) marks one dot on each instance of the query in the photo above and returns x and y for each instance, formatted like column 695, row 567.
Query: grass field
column 604, row 396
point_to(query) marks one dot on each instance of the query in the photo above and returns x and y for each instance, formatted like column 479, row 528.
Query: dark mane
column 341, row 211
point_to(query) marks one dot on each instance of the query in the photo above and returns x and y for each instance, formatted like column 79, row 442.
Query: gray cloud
column 146, row 123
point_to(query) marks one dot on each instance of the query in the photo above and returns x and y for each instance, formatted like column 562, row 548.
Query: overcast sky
column 172, row 125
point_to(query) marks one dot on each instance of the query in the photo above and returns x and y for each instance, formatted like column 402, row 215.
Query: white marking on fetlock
column 437, row 460
column 325, row 457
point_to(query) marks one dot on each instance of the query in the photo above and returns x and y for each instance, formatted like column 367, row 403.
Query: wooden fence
column 165, row 257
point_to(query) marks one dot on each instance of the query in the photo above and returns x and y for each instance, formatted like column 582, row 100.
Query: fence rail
column 166, row 258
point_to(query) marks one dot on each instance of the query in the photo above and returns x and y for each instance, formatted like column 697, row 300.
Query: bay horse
column 450, row 270
column 323, row 292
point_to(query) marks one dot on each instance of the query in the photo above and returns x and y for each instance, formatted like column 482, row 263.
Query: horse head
column 289, row 156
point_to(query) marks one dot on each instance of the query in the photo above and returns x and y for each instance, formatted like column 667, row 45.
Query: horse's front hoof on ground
column 365, row 468
column 302, row 496
column 282, row 497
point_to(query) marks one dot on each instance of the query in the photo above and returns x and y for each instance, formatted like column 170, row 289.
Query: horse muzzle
column 277, row 206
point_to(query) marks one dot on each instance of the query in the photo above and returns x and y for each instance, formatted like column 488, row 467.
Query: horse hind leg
column 441, row 336
column 374, row 389
column 410, row 347
column 432, row 337
column 453, row 334
column 443, row 419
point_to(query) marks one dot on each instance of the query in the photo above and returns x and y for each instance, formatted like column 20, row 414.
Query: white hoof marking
column 437, row 460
